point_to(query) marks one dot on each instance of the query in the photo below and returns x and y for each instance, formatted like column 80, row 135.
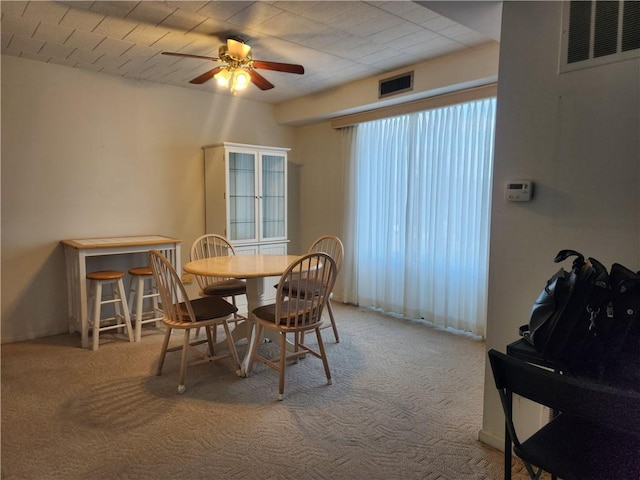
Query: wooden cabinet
column 246, row 196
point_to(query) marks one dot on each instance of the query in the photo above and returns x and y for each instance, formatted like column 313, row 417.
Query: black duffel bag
column 618, row 357
column 563, row 319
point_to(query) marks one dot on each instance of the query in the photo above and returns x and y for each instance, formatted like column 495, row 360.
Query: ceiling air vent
column 394, row 85
column 597, row 32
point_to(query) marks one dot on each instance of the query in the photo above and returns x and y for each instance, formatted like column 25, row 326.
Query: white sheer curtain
column 417, row 225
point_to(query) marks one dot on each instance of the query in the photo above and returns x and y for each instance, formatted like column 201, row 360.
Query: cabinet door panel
column 242, row 196
column 273, row 197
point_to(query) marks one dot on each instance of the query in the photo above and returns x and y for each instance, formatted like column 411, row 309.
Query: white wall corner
column 491, row 439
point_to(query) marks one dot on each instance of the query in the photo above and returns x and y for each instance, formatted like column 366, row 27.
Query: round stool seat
column 142, row 271
column 105, row 275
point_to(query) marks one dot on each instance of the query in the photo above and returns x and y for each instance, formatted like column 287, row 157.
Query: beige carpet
column 406, row 403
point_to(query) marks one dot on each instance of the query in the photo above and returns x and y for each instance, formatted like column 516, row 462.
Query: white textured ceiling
column 336, row 42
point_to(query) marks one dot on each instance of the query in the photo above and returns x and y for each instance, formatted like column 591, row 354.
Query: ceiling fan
column 239, row 67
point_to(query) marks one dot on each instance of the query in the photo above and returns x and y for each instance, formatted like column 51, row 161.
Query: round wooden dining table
column 252, row 268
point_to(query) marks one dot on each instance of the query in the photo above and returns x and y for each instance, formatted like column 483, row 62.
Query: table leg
column 77, row 293
column 239, row 332
column 71, row 262
column 255, row 299
column 82, row 298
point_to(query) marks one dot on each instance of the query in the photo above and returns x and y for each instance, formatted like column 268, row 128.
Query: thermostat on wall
column 518, row 190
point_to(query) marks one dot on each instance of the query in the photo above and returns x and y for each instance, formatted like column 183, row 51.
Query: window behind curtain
column 420, row 188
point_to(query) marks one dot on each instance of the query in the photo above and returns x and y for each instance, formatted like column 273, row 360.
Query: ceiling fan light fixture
column 223, row 77
column 241, row 79
column 233, row 78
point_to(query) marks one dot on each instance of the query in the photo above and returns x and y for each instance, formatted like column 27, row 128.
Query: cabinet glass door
column 273, row 196
column 242, row 196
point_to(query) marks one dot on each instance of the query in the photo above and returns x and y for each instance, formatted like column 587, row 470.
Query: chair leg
column 163, row 352
column 507, row 451
column 156, row 305
column 131, row 297
column 127, row 318
column 333, row 321
column 96, row 288
column 323, row 356
column 139, row 302
column 183, row 361
column 298, row 339
column 535, row 475
column 232, row 346
column 283, row 362
column 235, row 314
column 210, row 337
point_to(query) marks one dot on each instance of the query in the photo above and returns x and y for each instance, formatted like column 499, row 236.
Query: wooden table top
column 241, row 266
column 110, row 242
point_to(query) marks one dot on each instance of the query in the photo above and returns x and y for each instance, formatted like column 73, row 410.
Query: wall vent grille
column 395, row 85
column 597, row 32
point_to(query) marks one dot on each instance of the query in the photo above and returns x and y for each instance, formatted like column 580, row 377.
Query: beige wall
column 576, row 136
column 321, row 180
column 90, row 155
column 321, row 185
column 449, row 73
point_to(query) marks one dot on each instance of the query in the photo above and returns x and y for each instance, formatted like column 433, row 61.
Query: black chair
column 595, row 433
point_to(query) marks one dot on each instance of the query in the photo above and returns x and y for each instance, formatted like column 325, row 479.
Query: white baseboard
column 491, row 439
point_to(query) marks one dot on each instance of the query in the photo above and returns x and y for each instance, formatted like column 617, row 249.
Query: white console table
column 76, row 253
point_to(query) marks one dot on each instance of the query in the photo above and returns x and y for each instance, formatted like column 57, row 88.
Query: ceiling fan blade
column 205, row 76
column 279, row 67
column 188, row 55
column 259, row 81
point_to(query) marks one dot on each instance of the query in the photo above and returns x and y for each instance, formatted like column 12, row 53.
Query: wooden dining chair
column 214, row 245
column 331, row 245
column 296, row 313
column 183, row 314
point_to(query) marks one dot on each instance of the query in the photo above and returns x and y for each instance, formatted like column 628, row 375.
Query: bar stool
column 143, row 286
column 113, row 279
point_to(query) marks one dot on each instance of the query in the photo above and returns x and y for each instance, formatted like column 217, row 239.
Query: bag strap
column 564, row 254
column 601, row 275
